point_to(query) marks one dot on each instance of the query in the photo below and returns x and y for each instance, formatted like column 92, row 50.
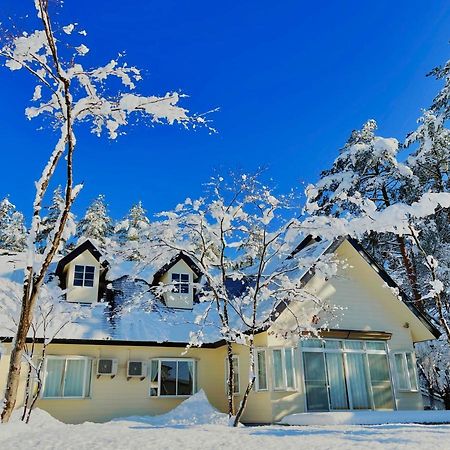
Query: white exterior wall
column 178, row 300
column 80, row 293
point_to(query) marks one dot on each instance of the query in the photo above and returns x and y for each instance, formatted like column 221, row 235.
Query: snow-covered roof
column 129, row 311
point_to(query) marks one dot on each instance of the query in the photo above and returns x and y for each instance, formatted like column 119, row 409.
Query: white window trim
column 84, row 276
column 194, row 377
column 86, row 395
column 284, row 388
column 257, row 388
column 179, row 283
column 236, row 371
column 408, row 374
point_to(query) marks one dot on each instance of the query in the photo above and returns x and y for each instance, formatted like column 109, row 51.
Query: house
column 104, row 365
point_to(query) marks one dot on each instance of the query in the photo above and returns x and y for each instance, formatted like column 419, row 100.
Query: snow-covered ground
column 196, row 425
column 46, row 433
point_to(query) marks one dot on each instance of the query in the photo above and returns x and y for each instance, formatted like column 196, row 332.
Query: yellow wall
column 80, row 293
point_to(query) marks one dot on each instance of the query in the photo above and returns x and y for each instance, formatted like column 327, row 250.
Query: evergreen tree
column 49, row 222
column 16, row 235
column 367, row 171
column 132, row 231
column 12, row 227
column 96, row 225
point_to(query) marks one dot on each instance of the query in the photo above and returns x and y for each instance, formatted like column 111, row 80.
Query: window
column 236, row 382
column 283, row 369
column 67, row 377
column 180, row 283
column 406, row 372
column 84, row 276
column 261, row 371
column 346, row 375
column 172, row 377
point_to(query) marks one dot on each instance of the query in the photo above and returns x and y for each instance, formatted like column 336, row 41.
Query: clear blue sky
column 291, row 78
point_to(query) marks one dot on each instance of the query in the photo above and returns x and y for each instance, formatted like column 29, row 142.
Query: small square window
column 84, row 276
column 180, row 283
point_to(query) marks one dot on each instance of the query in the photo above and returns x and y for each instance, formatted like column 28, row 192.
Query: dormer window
column 180, row 283
column 84, row 276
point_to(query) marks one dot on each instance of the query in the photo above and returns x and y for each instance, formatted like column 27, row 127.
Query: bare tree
column 75, row 94
column 240, row 237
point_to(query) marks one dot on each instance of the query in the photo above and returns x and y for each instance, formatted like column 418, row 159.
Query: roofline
column 336, row 333
column 103, row 342
column 426, row 321
column 181, row 256
column 87, row 245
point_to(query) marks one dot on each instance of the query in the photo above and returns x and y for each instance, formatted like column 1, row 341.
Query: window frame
column 178, row 285
column 236, row 374
column 408, row 375
column 83, row 279
column 257, row 386
column 284, row 387
column 87, row 377
column 344, row 350
column 159, row 360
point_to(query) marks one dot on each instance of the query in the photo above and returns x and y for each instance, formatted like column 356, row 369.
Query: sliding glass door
column 343, row 375
column 315, row 381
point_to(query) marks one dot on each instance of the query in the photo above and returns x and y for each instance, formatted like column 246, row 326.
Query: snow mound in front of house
column 366, row 417
column 39, row 418
column 195, row 410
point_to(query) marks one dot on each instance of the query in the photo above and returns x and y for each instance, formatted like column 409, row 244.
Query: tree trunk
column 410, row 272
column 407, row 263
column 446, row 398
column 244, row 401
column 230, row 380
column 16, row 361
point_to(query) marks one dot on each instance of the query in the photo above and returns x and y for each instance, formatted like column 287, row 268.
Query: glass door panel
column 315, row 381
column 357, row 378
column 381, row 382
column 336, row 381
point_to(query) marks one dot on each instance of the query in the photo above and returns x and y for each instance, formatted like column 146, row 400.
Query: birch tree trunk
column 33, row 281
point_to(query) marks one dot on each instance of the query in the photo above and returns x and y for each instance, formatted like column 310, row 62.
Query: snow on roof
column 130, row 311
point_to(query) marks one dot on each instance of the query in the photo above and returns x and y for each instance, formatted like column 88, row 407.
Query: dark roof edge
column 113, row 342
column 178, row 257
column 85, row 246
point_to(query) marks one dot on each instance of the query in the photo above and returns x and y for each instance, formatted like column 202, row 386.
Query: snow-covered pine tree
column 48, row 223
column 16, row 233
column 6, row 209
column 96, row 224
column 12, row 227
column 132, row 231
column 441, row 104
column 367, row 170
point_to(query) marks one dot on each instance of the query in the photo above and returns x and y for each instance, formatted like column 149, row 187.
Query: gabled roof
column 179, row 257
column 426, row 320
column 85, row 246
column 164, row 326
